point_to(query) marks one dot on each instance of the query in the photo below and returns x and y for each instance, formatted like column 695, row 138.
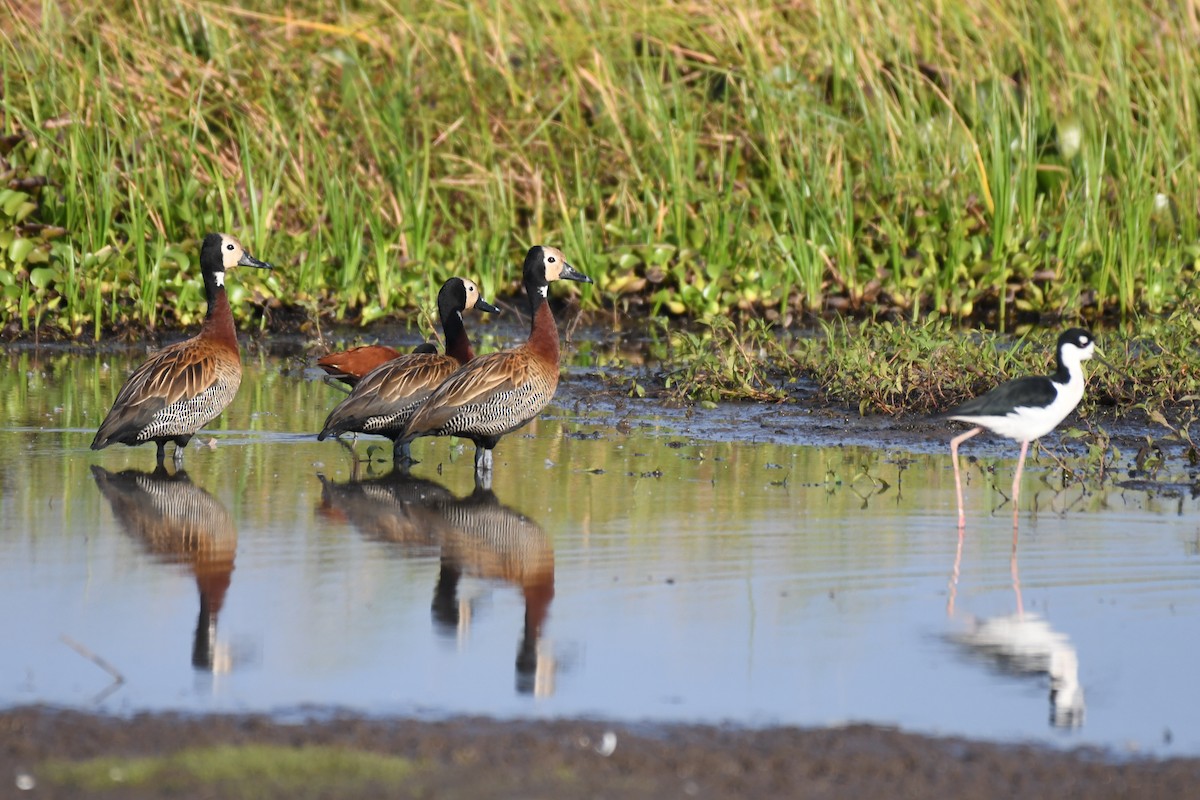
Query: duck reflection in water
column 179, row 523
column 385, row 509
column 1022, row 644
column 475, row 536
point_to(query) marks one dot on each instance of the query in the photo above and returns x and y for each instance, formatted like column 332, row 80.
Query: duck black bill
column 248, row 260
column 484, row 305
column 572, row 274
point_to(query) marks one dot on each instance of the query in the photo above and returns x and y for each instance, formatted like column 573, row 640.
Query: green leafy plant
column 881, row 161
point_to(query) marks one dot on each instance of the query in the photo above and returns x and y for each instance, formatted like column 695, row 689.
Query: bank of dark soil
column 482, row 758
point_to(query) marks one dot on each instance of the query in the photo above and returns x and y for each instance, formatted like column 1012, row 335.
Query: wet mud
column 484, row 758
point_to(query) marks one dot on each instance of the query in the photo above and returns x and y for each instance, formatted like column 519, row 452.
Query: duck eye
column 229, row 247
column 550, row 260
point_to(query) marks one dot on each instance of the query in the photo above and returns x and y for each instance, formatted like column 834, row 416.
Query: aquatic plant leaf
column 10, row 201
column 41, row 277
column 19, row 250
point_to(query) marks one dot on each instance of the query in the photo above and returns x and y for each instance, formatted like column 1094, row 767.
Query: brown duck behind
column 350, row 366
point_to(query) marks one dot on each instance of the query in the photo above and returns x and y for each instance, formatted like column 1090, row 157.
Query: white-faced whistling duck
column 497, row 393
column 182, row 387
column 386, row 397
column 349, row 366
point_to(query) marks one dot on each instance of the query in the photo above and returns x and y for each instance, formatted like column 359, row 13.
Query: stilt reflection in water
column 476, row 537
column 180, row 523
column 1022, row 644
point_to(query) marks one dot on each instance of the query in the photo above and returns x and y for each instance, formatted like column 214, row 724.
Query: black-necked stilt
column 1026, row 408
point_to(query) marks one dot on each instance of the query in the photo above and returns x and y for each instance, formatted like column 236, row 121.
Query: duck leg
column 483, row 459
column 402, row 455
column 336, row 384
column 350, row 448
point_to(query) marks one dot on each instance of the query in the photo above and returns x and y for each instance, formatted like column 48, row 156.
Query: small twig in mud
column 1097, row 463
column 573, row 324
column 99, row 661
column 1061, row 462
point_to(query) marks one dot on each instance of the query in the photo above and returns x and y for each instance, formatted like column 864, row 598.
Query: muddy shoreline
column 600, row 396
column 476, row 757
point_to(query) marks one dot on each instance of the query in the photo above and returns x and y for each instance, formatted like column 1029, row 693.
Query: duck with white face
column 500, row 392
column 183, row 387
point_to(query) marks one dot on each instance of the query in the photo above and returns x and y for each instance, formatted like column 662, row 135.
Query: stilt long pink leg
column 958, row 477
column 954, row 443
column 1017, row 481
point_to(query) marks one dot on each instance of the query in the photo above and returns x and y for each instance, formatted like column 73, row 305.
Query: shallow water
column 619, row 568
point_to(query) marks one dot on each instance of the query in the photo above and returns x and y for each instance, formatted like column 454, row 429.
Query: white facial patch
column 219, row 277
